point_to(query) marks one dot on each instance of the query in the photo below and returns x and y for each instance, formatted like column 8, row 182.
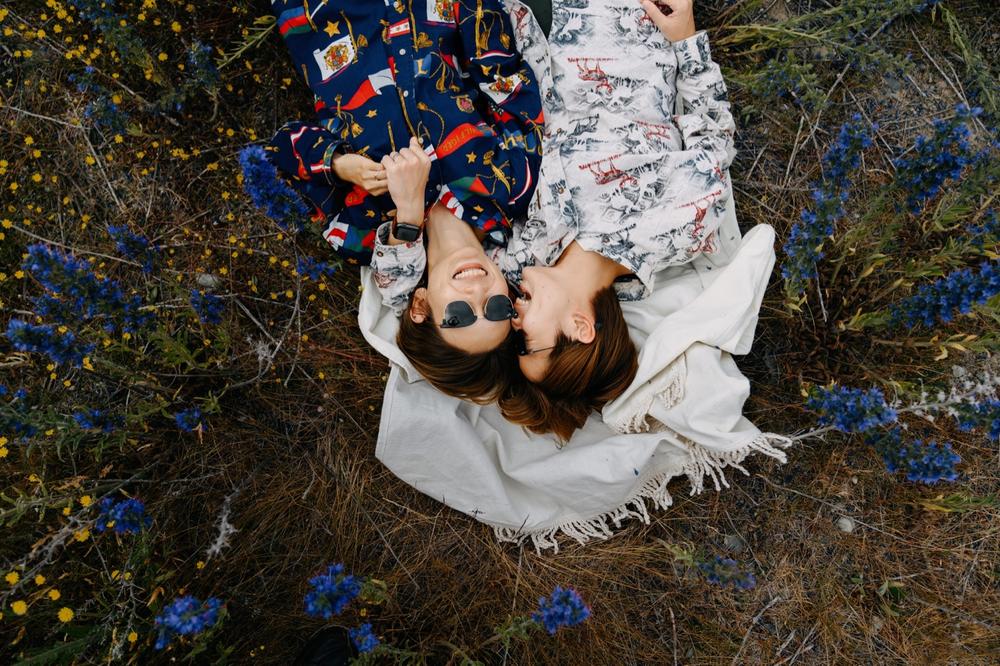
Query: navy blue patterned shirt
column 382, row 71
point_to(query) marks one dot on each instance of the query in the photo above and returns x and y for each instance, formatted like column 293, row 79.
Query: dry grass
column 294, row 450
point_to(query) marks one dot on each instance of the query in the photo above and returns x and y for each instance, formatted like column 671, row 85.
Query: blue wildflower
column 201, row 66
column 982, row 414
column 207, row 306
column 59, row 344
column 135, row 247
column 188, row 420
column 850, row 410
column 954, row 293
column 935, row 160
column 15, row 419
column 363, row 638
column 562, row 608
column 185, row 616
column 314, row 269
column 817, row 223
column 331, row 592
column 77, row 294
column 924, row 462
column 127, row 516
column 987, row 228
column 725, row 572
column 269, row 192
column 95, row 419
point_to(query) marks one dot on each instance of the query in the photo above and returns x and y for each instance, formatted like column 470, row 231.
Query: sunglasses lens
column 458, row 314
column 499, row 308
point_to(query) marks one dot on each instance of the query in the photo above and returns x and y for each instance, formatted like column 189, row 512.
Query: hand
column 361, row 171
column 674, row 18
column 407, row 173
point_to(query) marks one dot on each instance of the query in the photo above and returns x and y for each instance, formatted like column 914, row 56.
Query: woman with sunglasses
column 626, row 189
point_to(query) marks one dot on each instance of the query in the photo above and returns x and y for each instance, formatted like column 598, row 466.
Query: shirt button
column 402, row 51
column 406, row 93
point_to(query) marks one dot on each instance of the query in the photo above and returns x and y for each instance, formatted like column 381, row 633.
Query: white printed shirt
column 621, row 174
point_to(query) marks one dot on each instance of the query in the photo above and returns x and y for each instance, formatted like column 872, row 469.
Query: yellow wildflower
column 82, row 535
column 65, row 614
column 12, row 578
column 86, row 501
column 39, row 579
column 19, row 607
column 132, row 637
column 54, row 594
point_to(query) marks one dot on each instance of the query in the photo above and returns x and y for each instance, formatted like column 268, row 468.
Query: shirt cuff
column 694, row 48
column 333, row 150
column 399, row 251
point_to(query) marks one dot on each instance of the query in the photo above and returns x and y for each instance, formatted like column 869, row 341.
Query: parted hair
column 582, row 377
column 481, row 378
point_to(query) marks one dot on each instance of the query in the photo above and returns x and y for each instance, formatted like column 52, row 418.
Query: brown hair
column 581, row 378
column 481, row 378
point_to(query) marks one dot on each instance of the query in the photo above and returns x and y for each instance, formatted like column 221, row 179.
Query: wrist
column 410, row 214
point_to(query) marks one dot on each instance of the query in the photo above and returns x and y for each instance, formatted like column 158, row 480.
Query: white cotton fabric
column 681, row 417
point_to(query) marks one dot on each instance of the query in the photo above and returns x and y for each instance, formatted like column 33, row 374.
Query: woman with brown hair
column 626, row 188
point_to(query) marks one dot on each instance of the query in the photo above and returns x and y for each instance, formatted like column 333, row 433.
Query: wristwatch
column 404, row 232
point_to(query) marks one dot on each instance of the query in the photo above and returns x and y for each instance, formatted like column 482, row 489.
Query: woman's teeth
column 469, row 273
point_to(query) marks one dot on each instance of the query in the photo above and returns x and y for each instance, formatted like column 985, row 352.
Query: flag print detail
column 382, row 71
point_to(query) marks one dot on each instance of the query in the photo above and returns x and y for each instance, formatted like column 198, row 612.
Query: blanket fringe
column 669, row 392
column 705, row 463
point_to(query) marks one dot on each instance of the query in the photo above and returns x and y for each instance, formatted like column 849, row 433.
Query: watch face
column 406, row 232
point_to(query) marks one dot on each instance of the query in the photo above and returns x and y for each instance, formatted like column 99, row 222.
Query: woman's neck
column 585, row 271
column 447, row 234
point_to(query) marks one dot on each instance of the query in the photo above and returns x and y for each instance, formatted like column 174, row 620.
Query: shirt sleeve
column 697, row 175
column 706, row 122
column 398, row 269
column 305, row 151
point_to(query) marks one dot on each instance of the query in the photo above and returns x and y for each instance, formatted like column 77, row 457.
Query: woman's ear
column 583, row 327
column 420, row 310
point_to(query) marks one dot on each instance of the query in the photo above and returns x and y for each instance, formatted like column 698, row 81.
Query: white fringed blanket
column 681, row 417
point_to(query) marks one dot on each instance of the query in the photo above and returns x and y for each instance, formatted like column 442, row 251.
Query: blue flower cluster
column 331, row 592
column 202, row 67
column 982, row 414
column 95, row 419
column 363, row 638
column 850, row 410
column 76, row 294
column 562, row 608
column 725, row 572
column 135, row 247
column 315, row 269
column 269, row 192
column 126, row 516
column 208, row 307
column 59, row 344
column 844, row 156
column 937, row 159
column 924, row 462
column 989, row 227
column 803, row 247
column 186, row 616
column 940, row 300
column 15, row 415
column 188, row 420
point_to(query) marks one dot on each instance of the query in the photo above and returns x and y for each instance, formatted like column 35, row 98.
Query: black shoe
column 330, row 646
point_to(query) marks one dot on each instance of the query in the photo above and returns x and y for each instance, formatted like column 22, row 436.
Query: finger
column 408, row 155
column 654, row 13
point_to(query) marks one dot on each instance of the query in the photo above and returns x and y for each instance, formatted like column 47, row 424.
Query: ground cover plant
column 188, row 413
